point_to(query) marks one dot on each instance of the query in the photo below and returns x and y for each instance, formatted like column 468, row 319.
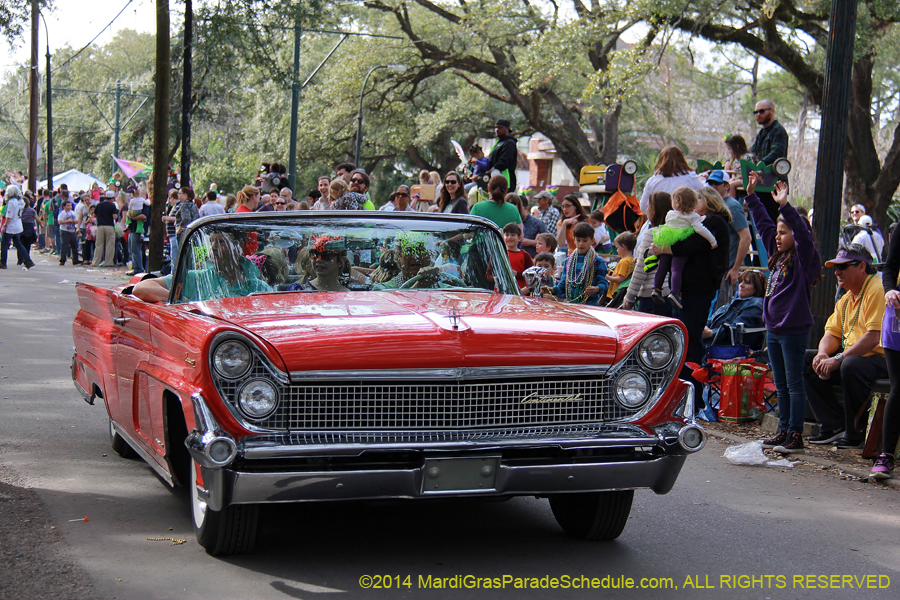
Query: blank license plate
column 460, row 474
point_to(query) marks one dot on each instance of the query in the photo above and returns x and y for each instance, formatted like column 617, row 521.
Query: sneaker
column 794, row 444
column 28, row 265
column 777, row 440
column 848, row 444
column 62, row 263
column 657, row 296
column 883, row 467
column 675, row 299
column 131, row 273
column 826, row 437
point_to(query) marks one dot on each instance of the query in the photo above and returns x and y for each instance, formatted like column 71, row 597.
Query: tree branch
column 485, row 90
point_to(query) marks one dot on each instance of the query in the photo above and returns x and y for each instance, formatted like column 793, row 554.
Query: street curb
column 822, row 462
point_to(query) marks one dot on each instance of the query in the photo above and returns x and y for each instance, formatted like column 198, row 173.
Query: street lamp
column 395, row 69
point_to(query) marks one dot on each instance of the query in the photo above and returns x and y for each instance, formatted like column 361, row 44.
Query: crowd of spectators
column 688, row 260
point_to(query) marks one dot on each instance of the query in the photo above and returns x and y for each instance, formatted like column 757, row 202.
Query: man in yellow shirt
column 849, row 353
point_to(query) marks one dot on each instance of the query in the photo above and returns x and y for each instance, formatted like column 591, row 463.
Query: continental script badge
column 536, row 398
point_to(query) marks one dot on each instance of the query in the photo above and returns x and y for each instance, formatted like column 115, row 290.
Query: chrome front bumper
column 225, row 487
column 264, row 471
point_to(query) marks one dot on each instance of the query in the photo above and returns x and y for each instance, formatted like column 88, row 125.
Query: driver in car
column 416, row 268
column 225, row 274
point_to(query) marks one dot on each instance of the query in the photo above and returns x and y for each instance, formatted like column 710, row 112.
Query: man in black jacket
column 504, row 154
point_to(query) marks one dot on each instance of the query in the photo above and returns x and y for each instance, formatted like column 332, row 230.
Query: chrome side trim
column 658, row 474
column 148, row 458
column 460, row 373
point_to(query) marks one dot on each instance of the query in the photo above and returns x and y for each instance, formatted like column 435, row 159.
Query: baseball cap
column 865, row 221
column 543, row 194
column 110, row 194
column 503, row 123
column 717, row 176
column 853, row 252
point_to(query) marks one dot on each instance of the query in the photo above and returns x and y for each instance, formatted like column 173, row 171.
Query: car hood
column 421, row 329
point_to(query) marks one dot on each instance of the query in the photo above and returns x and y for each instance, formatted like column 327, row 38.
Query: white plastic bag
column 746, row 454
column 782, row 463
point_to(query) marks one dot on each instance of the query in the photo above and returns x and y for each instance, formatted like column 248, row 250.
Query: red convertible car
column 322, row 356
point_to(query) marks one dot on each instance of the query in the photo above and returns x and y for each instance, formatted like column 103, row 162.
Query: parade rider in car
column 226, row 274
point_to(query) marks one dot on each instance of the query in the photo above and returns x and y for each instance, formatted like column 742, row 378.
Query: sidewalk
column 846, row 462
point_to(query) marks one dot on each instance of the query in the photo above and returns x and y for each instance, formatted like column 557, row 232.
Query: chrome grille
column 443, row 401
column 449, row 404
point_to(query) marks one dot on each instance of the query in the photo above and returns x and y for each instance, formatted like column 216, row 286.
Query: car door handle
column 121, row 320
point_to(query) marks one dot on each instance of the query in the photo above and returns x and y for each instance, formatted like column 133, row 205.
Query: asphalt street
column 725, row 531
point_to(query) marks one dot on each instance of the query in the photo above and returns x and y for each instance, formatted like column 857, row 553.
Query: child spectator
column 794, row 264
column 545, row 260
column 518, row 259
column 681, row 222
column 545, row 242
column 583, row 278
column 624, row 244
column 601, row 233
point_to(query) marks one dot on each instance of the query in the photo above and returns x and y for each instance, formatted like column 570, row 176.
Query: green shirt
column 501, row 214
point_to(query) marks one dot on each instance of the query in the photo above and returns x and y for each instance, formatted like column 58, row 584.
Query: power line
column 85, row 47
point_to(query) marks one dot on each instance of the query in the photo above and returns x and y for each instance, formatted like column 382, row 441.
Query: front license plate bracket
column 448, row 475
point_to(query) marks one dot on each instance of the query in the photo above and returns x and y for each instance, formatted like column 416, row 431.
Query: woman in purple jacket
column 794, row 267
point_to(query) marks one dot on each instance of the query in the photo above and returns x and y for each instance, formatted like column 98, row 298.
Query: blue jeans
column 173, row 247
column 786, row 358
column 21, row 252
column 135, row 243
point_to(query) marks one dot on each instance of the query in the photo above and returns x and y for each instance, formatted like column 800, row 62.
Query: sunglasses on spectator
column 843, row 266
column 356, row 180
column 761, row 111
column 325, row 254
column 401, row 195
column 451, row 181
column 280, row 203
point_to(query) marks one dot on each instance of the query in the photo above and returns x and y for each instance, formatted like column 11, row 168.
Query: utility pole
column 832, row 150
column 160, row 134
column 186, row 94
column 49, row 114
column 117, row 128
column 35, row 101
column 295, row 107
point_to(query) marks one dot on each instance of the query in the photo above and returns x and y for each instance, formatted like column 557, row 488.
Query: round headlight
column 630, row 167
column 232, row 359
column 258, row 399
column 655, row 352
column 632, row 389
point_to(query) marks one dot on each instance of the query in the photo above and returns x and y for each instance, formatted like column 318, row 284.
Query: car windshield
column 238, row 256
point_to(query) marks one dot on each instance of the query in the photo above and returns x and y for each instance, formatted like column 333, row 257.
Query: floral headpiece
column 412, row 242
column 319, row 244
